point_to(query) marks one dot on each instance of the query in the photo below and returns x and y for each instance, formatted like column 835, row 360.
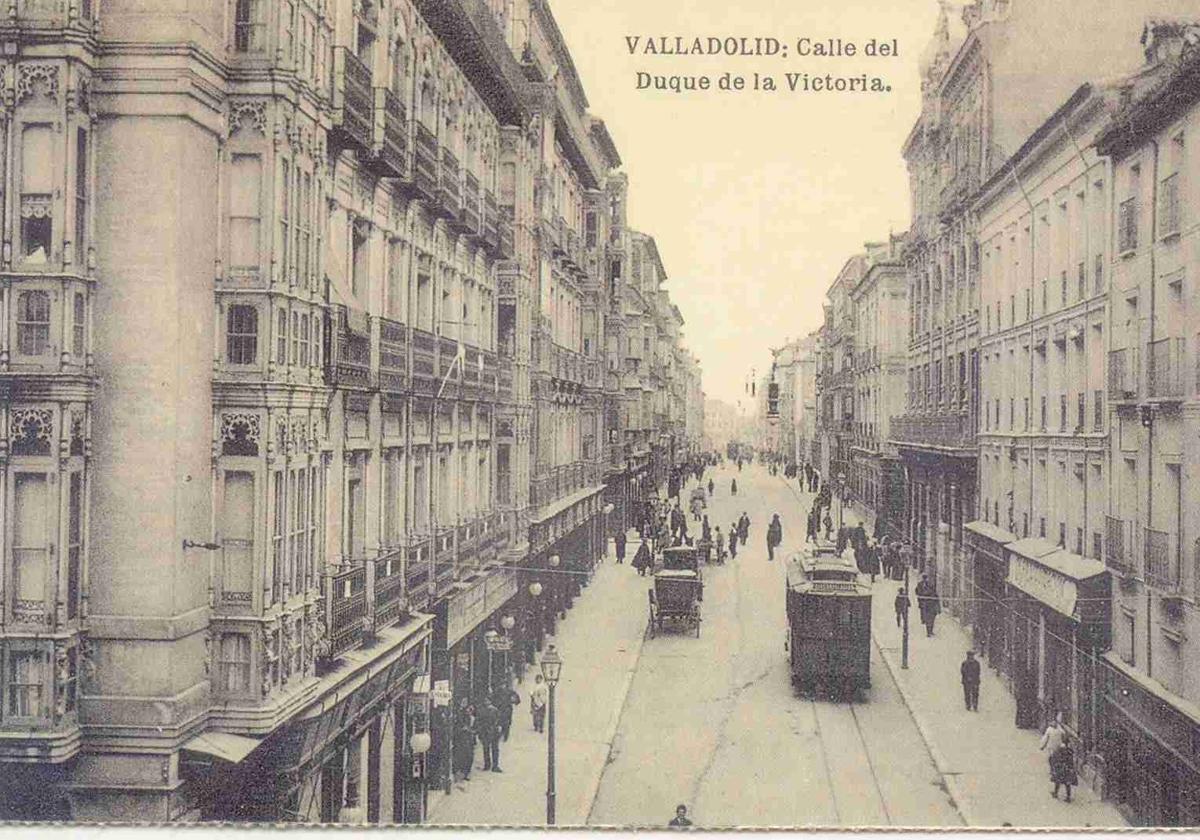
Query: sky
column 756, row 199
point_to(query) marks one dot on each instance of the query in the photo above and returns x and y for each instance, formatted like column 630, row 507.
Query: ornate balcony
column 349, row 362
column 443, row 561
column 345, row 596
column 416, row 570
column 505, row 231
column 1122, row 374
column 491, row 222
column 353, row 100
column 1165, row 360
column 425, row 163
column 1163, row 565
column 391, row 135
column 472, row 216
column 393, row 356
column 1116, row 547
column 449, row 196
column 504, row 378
column 424, row 362
column 448, row 372
column 487, row 376
column 387, row 579
column 942, row 431
column 470, row 373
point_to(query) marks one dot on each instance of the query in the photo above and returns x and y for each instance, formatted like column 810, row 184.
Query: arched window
column 241, row 335
column 33, row 323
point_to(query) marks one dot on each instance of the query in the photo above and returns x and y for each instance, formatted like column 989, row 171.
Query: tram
column 829, row 624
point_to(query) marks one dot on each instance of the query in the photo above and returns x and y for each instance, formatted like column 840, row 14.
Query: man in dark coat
column 969, row 670
column 464, row 740
column 902, row 604
column 487, row 727
column 642, row 559
column 504, row 698
column 774, row 536
column 927, row 603
column 811, row 526
column 619, row 541
column 733, row 541
column 843, row 536
column 744, row 527
column 858, row 537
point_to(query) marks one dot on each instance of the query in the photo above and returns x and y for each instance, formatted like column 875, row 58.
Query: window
column 1025, row 524
column 233, row 663
column 296, row 338
column 1043, row 414
column 78, row 316
column 281, row 337
column 237, row 521
column 241, row 334
column 1080, row 410
column 304, row 341
column 1168, row 205
column 358, row 258
column 285, row 222
column 278, row 559
column 1062, row 412
column 1045, row 296
column 245, row 216
column 1082, row 269
column 37, row 187
column 1097, row 545
column 1127, row 226
column 248, row 26
column 1129, row 640
column 1098, row 273
column 1062, row 534
column 30, row 543
column 1098, row 410
column 26, row 684
column 74, row 542
column 1025, row 422
column 33, row 323
column 81, row 196
column 304, row 214
column 1079, row 541
column 1042, row 527
column 1063, row 288
column 287, row 22
column 590, row 227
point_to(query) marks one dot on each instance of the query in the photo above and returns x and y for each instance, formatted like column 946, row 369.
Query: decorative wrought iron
column 240, row 434
column 30, row 431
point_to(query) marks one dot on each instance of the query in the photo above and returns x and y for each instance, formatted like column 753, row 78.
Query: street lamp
column 489, row 639
column 551, row 670
column 507, row 623
column 841, row 490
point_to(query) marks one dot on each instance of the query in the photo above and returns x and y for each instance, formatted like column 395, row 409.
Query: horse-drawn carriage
column 829, row 623
column 678, row 590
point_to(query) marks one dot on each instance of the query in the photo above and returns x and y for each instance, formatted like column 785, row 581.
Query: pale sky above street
column 756, row 199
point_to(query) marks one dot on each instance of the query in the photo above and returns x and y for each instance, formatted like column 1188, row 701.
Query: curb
column 939, row 761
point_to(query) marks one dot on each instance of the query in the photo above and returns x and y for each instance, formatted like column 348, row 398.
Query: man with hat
column 970, row 681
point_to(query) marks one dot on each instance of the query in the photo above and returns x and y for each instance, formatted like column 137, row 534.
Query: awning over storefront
column 222, row 745
column 992, row 532
column 477, row 601
column 1049, row 573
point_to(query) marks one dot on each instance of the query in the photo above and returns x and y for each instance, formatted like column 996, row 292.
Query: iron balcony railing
column 388, row 584
column 472, row 218
column 1163, row 566
column 416, row 569
column 393, row 355
column 353, row 99
column 450, row 185
column 1164, row 368
column 1117, row 555
column 425, row 162
column 1122, row 374
column 349, row 359
column 345, row 593
column 391, row 134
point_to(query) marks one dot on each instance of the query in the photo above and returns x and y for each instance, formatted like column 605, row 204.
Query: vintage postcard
column 525, row 413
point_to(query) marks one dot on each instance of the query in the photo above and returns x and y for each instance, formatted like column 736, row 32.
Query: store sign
column 1052, row 589
column 441, row 693
column 473, row 605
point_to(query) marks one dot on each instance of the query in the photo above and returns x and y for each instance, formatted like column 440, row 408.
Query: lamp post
column 551, row 670
column 489, row 639
column 841, row 491
column 506, row 624
column 535, row 589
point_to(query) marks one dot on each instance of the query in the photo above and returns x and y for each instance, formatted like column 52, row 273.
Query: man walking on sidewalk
column 538, row 696
column 505, row 699
column 619, row 542
column 902, row 604
column 970, row 681
column 488, row 726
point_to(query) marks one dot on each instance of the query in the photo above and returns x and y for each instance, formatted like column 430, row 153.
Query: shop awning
column 222, row 745
column 1071, row 565
column 1031, row 548
column 992, row 532
column 1029, row 572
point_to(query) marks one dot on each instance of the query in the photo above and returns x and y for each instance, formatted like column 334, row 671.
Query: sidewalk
column 994, row 771
column 600, row 641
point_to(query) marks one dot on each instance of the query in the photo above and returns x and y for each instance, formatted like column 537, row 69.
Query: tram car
column 829, row 624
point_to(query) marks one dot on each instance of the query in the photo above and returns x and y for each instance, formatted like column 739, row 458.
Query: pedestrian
column 928, row 603
column 828, row 523
column 969, row 671
column 1056, row 741
column 504, row 700
column 620, row 545
column 680, row 820
column 843, row 536
column 744, row 527
column 538, row 696
column 719, row 542
column 873, row 552
column 733, row 487
column 642, row 559
column 706, row 529
column 710, row 487
column 810, row 527
column 733, row 541
column 902, row 604
column 464, row 739
column 487, row 727
column 774, row 536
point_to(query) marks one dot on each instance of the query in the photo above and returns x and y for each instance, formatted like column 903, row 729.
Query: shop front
column 1059, row 619
column 987, row 571
column 1151, row 748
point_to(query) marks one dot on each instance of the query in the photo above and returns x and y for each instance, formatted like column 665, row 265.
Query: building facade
column 352, row 414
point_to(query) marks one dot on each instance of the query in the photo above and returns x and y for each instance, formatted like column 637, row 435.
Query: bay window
column 245, row 213
column 233, row 663
column 241, row 335
column 33, row 323
column 37, row 188
column 25, row 688
column 30, row 545
column 237, row 530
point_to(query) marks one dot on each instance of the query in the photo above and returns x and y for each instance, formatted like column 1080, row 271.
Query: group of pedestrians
column 488, row 721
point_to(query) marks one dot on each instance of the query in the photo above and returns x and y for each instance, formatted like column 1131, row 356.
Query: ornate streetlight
column 489, row 639
column 551, row 670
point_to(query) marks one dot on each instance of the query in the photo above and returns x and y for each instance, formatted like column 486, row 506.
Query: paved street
column 719, row 711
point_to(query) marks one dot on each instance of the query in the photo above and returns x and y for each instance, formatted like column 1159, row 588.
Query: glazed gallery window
column 233, row 663
column 241, row 335
column 78, row 323
column 237, row 537
column 245, row 213
column 25, row 689
column 33, row 323
column 249, row 26
column 30, row 543
column 37, row 188
column 81, row 195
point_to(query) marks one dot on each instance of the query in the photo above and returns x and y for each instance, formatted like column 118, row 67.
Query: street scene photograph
column 522, row 414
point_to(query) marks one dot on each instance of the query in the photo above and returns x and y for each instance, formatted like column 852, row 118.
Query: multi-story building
column 1150, row 683
column 835, row 389
column 350, row 341
column 879, row 301
column 1042, row 433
